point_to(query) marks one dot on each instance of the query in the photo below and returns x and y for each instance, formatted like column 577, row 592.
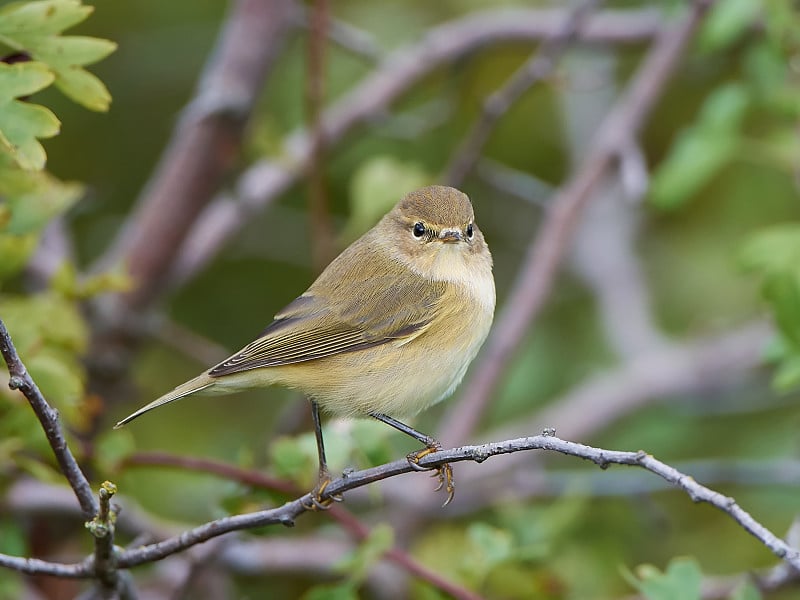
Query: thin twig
column 21, row 380
column 287, row 513
column 35, row 566
column 102, row 528
column 537, row 68
column 548, row 246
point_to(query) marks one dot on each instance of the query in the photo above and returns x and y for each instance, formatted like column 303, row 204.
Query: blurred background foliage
column 717, row 242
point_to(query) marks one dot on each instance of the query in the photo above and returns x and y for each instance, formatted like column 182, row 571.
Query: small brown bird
column 388, row 329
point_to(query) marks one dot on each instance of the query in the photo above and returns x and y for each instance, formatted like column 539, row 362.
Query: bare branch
column 547, row 247
column 34, row 566
column 287, row 513
column 20, row 379
column 259, row 185
column 537, row 68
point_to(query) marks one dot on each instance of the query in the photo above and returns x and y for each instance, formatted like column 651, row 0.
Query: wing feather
column 349, row 308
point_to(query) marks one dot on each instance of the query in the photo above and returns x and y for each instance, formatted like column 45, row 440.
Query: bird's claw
column 316, row 502
column 443, row 472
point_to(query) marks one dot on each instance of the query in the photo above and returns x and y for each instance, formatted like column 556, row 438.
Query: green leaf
column 701, row 150
column 681, row 580
column 43, row 17
column 84, row 88
column 35, row 28
column 21, row 123
column 727, row 21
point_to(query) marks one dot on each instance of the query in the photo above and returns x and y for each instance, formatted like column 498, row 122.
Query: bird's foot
column 316, row 502
column 443, row 472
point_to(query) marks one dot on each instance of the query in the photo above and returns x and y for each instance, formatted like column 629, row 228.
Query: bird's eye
column 419, row 229
column 470, row 231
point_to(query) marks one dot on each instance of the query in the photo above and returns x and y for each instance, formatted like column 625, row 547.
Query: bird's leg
column 444, row 472
column 324, row 477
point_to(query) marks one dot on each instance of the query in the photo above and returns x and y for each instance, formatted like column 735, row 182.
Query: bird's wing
column 342, row 312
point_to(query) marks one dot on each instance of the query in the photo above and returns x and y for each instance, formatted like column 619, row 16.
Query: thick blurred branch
column 548, row 246
column 370, row 100
column 203, row 147
column 604, row 245
column 20, row 379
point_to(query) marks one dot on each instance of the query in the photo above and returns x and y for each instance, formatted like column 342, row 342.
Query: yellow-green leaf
column 35, row 28
column 22, row 124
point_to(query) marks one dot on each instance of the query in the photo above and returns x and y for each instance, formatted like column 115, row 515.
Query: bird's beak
column 450, row 236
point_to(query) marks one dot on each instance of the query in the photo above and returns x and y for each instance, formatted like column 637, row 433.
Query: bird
column 386, row 330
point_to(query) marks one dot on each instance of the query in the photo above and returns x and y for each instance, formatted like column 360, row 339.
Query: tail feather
column 192, row 386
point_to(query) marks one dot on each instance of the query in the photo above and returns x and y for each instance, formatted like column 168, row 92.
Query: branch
column 538, row 67
column 20, row 379
column 604, row 245
column 548, row 246
column 203, row 147
column 287, row 513
column 102, row 528
column 259, row 185
column 34, row 566
column 347, row 520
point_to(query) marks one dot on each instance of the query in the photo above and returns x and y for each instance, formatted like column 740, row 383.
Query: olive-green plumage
column 389, row 327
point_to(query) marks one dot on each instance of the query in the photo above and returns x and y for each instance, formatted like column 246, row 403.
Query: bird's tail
column 199, row 383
